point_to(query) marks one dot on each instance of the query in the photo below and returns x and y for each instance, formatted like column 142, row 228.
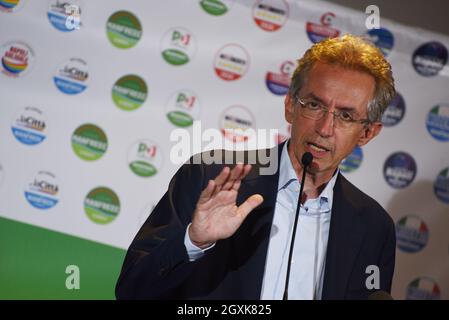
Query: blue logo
column 383, row 39
column 429, row 58
column 437, row 122
column 323, row 30
column 441, row 186
column 412, row 234
column 42, row 192
column 64, row 15
column 423, row 288
column 72, row 76
column 353, row 161
column 29, row 126
column 399, row 170
column 394, row 112
column 278, row 80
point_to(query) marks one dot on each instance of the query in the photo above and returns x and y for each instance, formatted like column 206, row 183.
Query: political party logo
column 395, row 111
column 270, row 15
column 399, row 170
column 382, row 38
column 29, row 126
column 278, row 78
column 423, row 288
column 412, row 234
column 441, row 186
column 429, row 58
column 237, row 124
column 11, row 5
column 65, row 16
column 323, row 30
column 183, row 108
column 102, row 205
column 280, row 137
column 72, row 76
column 17, row 59
column 178, row 46
column 353, row 161
column 145, row 158
column 42, row 191
column 89, row 142
column 437, row 122
column 129, row 92
column 216, row 7
column 123, row 29
column 231, row 62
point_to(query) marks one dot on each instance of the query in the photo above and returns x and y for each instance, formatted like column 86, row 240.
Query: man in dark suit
column 201, row 242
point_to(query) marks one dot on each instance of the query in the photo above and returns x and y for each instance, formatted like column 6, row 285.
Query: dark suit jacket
column 157, row 265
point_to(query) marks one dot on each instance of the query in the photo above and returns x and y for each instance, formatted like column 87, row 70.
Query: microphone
column 306, row 160
column 380, row 295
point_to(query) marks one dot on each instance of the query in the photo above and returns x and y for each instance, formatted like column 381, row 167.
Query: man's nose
column 325, row 126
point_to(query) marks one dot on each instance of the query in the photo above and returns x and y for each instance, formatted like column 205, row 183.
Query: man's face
column 339, row 89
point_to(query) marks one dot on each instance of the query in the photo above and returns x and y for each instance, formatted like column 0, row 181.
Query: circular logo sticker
column 429, row 58
column 231, row 62
column 72, row 76
column 183, row 108
column 394, row 112
column 145, row 158
column 383, row 39
column 17, row 59
column 270, row 15
column 237, row 124
column 11, row 5
column 279, row 78
column 65, row 16
column 437, row 122
column 42, row 192
column 123, row 29
column 29, row 126
column 129, row 92
column 102, row 205
column 412, row 234
column 320, row 31
column 216, row 7
column 89, row 142
column 399, row 170
column 178, row 46
column 441, row 186
column 423, row 288
column 353, row 161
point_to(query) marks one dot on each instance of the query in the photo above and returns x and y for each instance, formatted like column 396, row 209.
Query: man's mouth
column 317, row 147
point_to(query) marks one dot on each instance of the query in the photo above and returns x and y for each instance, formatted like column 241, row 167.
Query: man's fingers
column 246, row 207
column 235, row 174
column 222, row 177
column 207, row 192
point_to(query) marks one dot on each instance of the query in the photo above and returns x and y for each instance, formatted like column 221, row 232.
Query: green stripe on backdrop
column 33, row 264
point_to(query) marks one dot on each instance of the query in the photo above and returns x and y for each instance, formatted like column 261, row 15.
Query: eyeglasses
column 315, row 110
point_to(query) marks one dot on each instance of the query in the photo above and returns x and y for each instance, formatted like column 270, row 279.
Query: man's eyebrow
column 342, row 108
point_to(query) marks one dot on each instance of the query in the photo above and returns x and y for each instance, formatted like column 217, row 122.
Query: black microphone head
column 380, row 295
column 306, row 159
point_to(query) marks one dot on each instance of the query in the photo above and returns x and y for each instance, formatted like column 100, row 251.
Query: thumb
column 246, row 207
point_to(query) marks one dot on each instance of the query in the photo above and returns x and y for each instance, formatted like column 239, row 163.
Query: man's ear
column 369, row 132
column 289, row 109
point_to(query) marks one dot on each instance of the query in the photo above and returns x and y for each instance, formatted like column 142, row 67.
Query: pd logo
column 65, row 16
column 399, row 170
column 237, row 124
column 319, row 31
column 123, row 29
column 178, row 46
column 437, row 122
column 72, row 76
column 270, row 15
column 42, row 191
column 145, row 158
column 383, row 39
column 278, row 79
column 89, row 142
column 353, row 161
column 129, row 92
column 441, row 186
column 412, row 234
column 183, row 108
column 102, row 205
column 216, row 7
column 423, row 288
column 394, row 112
column 17, row 59
column 11, row 5
column 429, row 58
column 231, row 62
column 29, row 126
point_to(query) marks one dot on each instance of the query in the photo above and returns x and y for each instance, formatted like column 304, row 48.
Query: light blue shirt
column 307, row 270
